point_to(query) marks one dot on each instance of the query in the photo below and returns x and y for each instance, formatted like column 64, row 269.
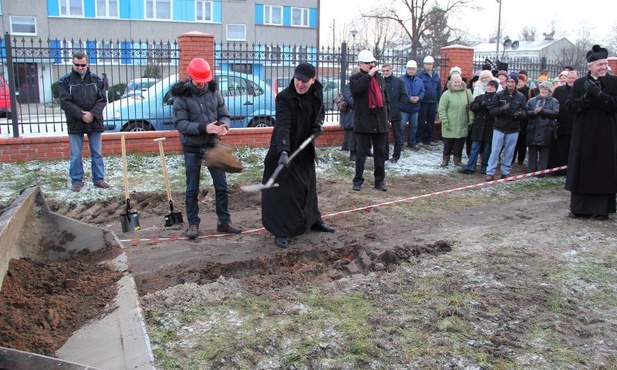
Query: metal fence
column 32, row 67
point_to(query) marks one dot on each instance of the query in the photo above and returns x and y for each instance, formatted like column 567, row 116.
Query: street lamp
column 498, row 31
column 353, row 43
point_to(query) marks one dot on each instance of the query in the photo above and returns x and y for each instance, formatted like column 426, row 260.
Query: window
column 236, row 32
column 68, row 47
column 273, row 15
column 300, row 17
column 159, row 53
column 203, row 11
column 22, row 25
column 107, row 8
column 273, row 53
column 71, row 7
column 158, row 9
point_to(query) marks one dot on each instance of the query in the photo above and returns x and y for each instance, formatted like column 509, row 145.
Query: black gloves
column 317, row 131
column 284, row 159
column 592, row 87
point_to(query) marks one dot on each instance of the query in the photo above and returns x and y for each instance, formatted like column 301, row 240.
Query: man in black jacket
column 371, row 115
column 83, row 98
column 397, row 93
column 592, row 164
column 292, row 208
column 201, row 117
column 507, row 106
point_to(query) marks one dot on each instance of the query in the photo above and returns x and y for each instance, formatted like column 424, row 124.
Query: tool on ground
column 220, row 156
column 270, row 183
column 173, row 218
column 129, row 220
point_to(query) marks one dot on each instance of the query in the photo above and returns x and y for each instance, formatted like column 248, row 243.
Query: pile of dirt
column 42, row 303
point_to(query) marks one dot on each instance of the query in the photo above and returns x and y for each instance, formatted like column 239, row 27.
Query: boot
column 445, row 161
column 457, row 161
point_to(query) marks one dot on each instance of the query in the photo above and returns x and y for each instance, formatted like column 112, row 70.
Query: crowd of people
column 499, row 116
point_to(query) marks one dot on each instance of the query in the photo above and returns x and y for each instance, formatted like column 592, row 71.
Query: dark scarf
column 374, row 94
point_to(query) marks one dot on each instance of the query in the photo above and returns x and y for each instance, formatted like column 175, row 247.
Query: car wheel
column 261, row 122
column 137, row 126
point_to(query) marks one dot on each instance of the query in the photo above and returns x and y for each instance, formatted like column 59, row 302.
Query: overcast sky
column 515, row 15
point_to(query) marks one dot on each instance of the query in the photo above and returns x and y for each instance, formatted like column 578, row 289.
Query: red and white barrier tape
column 365, row 208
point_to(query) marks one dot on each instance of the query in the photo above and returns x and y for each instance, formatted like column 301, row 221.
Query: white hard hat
column 428, row 59
column 455, row 69
column 411, row 64
column 366, row 56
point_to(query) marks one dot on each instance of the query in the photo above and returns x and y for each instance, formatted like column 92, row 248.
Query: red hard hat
column 199, row 70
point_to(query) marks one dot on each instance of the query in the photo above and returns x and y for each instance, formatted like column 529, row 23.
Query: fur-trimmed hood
column 185, row 88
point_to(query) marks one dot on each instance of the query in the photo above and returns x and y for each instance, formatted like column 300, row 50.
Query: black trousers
column 363, row 145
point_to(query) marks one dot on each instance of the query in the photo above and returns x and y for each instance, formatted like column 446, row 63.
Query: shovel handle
column 164, row 164
column 124, row 170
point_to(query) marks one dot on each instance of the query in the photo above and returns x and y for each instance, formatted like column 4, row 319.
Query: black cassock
column 592, row 163
column 291, row 208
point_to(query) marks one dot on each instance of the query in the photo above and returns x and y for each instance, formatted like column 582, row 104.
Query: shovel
column 129, row 220
column 270, row 183
column 173, row 218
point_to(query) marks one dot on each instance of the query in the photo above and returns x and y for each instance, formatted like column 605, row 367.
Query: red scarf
column 374, row 94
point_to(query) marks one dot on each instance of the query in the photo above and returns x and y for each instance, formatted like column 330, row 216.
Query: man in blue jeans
column 507, row 106
column 410, row 109
column 83, row 98
column 201, row 117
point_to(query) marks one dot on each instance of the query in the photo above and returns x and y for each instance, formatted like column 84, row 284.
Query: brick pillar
column 192, row 45
column 612, row 62
column 456, row 55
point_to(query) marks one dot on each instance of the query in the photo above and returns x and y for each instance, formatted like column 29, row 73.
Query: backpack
column 340, row 102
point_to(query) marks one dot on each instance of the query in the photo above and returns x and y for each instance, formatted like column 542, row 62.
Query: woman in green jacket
column 455, row 117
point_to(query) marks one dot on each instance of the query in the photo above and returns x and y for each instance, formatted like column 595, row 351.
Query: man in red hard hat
column 201, row 117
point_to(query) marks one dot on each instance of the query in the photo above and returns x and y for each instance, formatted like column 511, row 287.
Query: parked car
column 138, row 86
column 249, row 100
column 5, row 99
column 330, row 90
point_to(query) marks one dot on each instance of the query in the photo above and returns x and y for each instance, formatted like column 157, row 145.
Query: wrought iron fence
column 32, row 68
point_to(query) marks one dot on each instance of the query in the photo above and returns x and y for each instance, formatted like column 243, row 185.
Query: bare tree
column 611, row 42
column 414, row 21
column 437, row 34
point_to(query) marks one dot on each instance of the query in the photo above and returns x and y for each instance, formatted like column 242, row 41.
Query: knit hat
column 493, row 83
column 546, row 85
column 502, row 72
column 542, row 79
column 596, row 53
column 514, row 76
column 454, row 70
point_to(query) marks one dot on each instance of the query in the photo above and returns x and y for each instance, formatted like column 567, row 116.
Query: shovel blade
column 130, row 222
column 259, row 187
column 173, row 218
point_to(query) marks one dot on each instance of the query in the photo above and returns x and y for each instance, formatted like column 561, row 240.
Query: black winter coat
column 507, row 110
column 292, row 208
column 397, row 93
column 367, row 120
column 82, row 94
column 565, row 118
column 592, row 165
column 542, row 127
column 482, row 128
column 193, row 109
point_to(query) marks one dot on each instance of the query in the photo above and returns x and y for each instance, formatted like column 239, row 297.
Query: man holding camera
column 507, row 106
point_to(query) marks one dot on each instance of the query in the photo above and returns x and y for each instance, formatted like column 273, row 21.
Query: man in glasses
column 83, row 98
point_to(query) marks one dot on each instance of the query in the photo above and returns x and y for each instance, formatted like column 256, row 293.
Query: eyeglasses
column 80, row 65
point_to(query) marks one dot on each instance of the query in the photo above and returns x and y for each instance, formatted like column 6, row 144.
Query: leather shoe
column 280, row 241
column 381, row 187
column 323, row 227
column 357, row 187
column 228, row 228
column 489, row 178
column 505, row 176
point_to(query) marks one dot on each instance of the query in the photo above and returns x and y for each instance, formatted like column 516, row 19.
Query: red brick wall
column 57, row 147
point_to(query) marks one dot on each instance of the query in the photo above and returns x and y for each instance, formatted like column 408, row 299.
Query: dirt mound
column 43, row 302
